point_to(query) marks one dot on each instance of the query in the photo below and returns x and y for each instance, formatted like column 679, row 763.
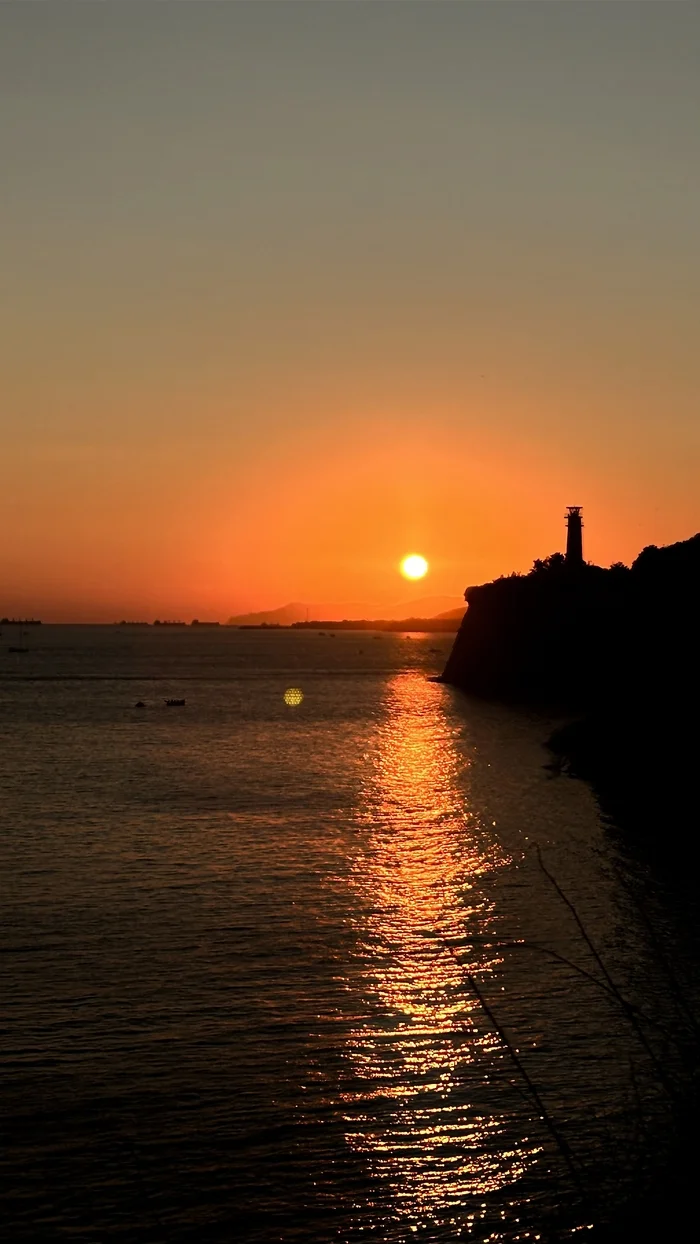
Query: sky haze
column 292, row 290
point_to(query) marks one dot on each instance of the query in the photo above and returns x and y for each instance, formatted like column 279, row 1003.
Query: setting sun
column 414, row 566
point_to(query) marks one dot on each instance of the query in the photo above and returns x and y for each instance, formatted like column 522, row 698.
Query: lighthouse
column 574, row 536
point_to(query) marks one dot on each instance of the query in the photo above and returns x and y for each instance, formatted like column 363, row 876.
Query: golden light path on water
column 422, row 1051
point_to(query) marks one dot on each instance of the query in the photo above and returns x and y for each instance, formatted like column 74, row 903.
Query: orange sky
column 293, row 291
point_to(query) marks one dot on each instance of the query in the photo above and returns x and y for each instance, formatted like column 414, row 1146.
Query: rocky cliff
column 620, row 647
column 584, row 635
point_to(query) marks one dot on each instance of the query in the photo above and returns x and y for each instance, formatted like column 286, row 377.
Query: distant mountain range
column 299, row 611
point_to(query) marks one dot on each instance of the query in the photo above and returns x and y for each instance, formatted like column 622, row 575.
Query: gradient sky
column 292, row 289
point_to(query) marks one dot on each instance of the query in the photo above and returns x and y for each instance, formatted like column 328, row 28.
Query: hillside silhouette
column 579, row 635
column 349, row 611
column 619, row 647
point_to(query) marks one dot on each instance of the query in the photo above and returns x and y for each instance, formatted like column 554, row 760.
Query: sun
column 414, row 566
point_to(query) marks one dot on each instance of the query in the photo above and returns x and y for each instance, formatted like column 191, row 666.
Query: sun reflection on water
column 417, row 1103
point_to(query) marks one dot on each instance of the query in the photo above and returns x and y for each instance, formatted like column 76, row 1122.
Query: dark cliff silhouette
column 617, row 650
column 617, row 646
column 578, row 634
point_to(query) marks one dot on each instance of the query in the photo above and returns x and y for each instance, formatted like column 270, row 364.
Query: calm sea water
column 278, row 972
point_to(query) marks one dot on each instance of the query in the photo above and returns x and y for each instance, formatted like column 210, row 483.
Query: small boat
column 139, row 704
column 175, row 703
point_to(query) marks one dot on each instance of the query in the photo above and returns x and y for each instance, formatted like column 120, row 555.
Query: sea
column 328, row 952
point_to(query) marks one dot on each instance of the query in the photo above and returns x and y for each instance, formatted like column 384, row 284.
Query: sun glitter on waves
column 414, row 566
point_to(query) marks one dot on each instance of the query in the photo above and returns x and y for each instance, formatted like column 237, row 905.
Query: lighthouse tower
column 574, row 536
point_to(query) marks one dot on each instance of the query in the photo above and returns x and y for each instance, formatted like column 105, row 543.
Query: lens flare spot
column 414, row 566
column 293, row 696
